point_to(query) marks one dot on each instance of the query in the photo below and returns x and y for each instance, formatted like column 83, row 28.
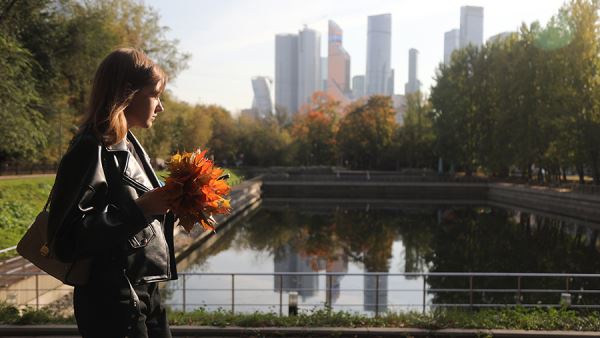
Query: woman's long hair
column 119, row 77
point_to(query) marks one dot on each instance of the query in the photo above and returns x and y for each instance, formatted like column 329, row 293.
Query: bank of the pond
column 578, row 207
column 506, row 322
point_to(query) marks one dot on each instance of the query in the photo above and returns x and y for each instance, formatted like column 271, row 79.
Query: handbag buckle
column 44, row 250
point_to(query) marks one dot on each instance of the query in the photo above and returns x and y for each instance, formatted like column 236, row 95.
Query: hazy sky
column 233, row 40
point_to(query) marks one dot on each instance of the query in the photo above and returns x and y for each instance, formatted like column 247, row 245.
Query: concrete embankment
column 577, row 207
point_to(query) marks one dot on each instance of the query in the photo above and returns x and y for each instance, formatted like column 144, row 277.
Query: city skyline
column 225, row 57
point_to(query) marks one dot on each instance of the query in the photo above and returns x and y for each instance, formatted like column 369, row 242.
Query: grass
column 506, row 318
column 21, row 200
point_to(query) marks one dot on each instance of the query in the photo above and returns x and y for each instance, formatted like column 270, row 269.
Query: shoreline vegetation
column 518, row 318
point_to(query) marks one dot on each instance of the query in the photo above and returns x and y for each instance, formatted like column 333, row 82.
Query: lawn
column 21, row 199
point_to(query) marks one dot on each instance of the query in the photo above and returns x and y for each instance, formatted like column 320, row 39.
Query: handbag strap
column 49, row 198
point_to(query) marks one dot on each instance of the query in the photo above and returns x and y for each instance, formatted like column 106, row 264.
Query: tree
column 416, row 138
column 21, row 130
column 314, row 129
column 366, row 132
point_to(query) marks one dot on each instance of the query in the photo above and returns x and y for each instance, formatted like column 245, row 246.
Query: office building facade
column 338, row 64
column 286, row 72
column 379, row 76
column 413, row 85
column 471, row 26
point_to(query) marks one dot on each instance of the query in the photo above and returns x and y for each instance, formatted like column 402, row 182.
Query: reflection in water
column 287, row 260
column 339, row 264
column 375, row 285
column 450, row 239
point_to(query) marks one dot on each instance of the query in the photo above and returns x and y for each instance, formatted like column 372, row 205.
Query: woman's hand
column 159, row 200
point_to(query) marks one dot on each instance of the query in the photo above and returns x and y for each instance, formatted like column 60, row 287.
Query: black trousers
column 105, row 308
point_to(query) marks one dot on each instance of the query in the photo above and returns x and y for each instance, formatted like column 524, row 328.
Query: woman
column 108, row 205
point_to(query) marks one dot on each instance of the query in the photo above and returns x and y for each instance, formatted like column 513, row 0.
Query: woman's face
column 144, row 107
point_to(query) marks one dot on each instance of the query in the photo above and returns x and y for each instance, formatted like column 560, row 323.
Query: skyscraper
column 451, row 43
column 286, row 72
column 309, row 65
column 413, row 84
column 263, row 97
column 324, row 73
column 379, row 77
column 471, row 26
column 338, row 73
column 358, row 86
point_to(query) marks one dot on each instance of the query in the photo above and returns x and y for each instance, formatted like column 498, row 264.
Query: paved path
column 9, row 177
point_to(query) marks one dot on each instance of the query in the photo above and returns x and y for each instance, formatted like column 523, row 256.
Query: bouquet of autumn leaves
column 204, row 189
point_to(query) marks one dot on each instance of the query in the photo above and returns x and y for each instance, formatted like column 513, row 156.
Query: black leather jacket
column 93, row 213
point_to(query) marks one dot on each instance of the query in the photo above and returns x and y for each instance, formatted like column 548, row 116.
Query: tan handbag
column 35, row 248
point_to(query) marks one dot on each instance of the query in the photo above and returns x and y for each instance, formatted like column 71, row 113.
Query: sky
column 230, row 41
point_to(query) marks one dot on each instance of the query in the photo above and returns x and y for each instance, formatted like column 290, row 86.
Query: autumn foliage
column 204, row 189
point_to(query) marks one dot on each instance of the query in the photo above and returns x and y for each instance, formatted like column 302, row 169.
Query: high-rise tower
column 338, row 64
column 451, row 43
column 413, row 84
column 379, row 77
column 309, row 65
column 286, row 72
column 262, row 104
column 471, row 26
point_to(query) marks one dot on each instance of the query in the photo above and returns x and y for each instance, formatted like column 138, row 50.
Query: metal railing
column 430, row 294
column 240, row 292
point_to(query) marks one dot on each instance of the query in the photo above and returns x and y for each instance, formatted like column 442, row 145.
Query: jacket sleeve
column 83, row 221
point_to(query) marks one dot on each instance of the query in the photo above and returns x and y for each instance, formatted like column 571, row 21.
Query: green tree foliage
column 58, row 46
column 415, row 139
column 262, row 142
column 528, row 100
column 21, row 130
column 366, row 132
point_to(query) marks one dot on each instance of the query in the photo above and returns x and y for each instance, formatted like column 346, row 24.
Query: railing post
column 567, row 284
column 424, row 292
column 280, row 295
column 519, row 290
column 37, row 291
column 184, row 300
column 328, row 292
column 377, row 295
column 232, row 293
column 471, row 291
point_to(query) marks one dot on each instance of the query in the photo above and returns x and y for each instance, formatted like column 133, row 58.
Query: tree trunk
column 580, row 173
column 595, row 170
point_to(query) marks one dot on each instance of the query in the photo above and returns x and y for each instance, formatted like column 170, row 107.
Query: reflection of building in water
column 371, row 290
column 288, row 260
column 339, row 265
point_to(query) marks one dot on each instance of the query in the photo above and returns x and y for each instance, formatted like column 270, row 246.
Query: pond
column 355, row 241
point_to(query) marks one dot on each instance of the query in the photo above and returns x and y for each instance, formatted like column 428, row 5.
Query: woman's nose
column 159, row 107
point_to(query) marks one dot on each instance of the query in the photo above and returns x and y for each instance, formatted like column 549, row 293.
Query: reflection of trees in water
column 365, row 237
column 466, row 239
column 497, row 240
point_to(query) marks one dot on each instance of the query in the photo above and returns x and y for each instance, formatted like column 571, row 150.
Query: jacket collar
column 145, row 159
column 123, row 157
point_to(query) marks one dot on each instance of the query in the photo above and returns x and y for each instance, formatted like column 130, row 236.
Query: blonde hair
column 119, row 77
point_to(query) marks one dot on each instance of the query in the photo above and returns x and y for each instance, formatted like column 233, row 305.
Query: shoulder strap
column 48, row 200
